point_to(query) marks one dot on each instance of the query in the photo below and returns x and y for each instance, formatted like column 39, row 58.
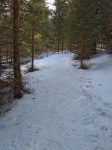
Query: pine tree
column 82, row 30
column 16, row 50
column 35, row 28
column 59, row 22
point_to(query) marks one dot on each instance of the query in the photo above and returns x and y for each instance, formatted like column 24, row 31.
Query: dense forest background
column 29, row 28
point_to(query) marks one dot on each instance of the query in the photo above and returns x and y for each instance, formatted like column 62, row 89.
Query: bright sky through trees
column 50, row 3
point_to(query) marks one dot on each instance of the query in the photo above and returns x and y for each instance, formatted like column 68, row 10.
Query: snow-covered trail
column 69, row 109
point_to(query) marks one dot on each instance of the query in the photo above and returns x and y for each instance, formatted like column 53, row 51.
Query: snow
column 69, row 109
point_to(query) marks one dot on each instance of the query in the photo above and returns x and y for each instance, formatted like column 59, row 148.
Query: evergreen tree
column 59, row 22
column 83, row 27
column 35, row 28
column 16, row 50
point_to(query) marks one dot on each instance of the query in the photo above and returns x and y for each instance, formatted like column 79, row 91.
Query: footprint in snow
column 98, row 148
column 100, row 84
column 110, row 137
column 87, row 86
column 103, row 113
column 103, row 128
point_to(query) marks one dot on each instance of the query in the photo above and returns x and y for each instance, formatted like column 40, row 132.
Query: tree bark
column 33, row 33
column 16, row 51
column 58, row 40
column 0, row 55
column 0, row 63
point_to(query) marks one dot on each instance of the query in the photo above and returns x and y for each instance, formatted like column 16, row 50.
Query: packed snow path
column 69, row 108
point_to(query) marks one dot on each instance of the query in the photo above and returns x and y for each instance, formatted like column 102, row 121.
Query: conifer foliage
column 89, row 25
column 29, row 28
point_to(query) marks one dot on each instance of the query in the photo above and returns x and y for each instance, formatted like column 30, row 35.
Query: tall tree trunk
column 58, row 40
column 81, row 59
column 0, row 62
column 58, row 26
column 0, row 56
column 94, row 50
column 0, row 46
column 62, row 42
column 16, row 51
column 33, row 33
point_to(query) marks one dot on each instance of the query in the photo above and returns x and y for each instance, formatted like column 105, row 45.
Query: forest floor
column 68, row 109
